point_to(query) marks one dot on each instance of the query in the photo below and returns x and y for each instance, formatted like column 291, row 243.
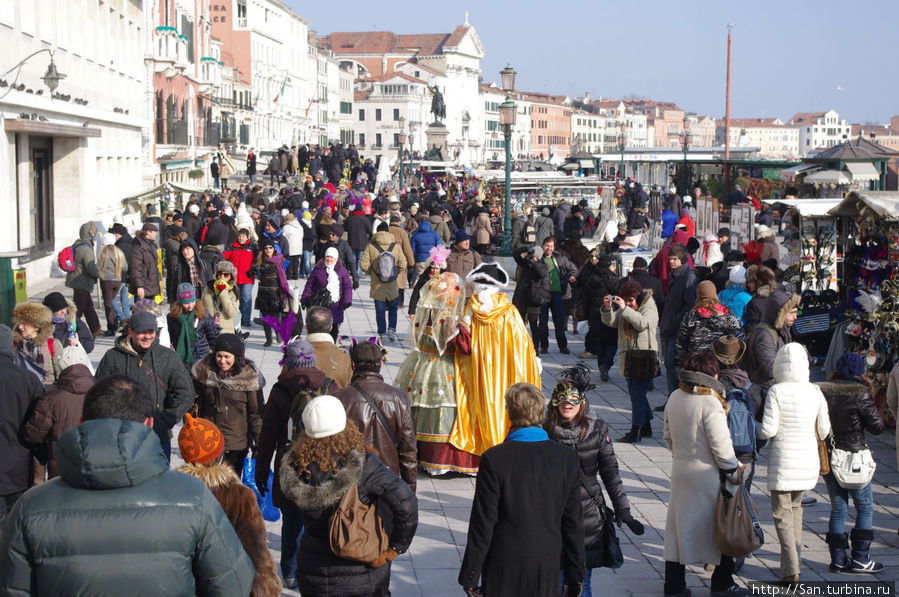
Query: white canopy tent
column 883, row 203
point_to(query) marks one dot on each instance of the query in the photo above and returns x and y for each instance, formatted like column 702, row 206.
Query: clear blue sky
column 788, row 55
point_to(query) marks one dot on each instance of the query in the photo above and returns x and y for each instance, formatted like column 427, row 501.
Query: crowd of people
column 713, row 320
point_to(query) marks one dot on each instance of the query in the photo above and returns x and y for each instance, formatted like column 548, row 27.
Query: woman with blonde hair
column 113, row 266
column 326, row 461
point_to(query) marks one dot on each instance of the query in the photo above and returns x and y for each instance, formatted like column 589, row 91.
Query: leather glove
column 355, row 284
column 473, row 591
column 262, row 486
column 574, row 590
column 632, row 523
column 387, row 556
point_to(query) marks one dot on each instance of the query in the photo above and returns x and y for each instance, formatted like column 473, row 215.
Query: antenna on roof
column 466, row 19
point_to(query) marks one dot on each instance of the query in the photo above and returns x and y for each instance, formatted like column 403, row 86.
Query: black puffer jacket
column 595, row 283
column 852, row 412
column 532, row 289
column 320, row 571
column 596, row 455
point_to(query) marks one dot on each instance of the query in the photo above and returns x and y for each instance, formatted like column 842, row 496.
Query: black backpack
column 385, row 266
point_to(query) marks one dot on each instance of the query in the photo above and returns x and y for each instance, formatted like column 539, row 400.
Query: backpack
column 387, row 269
column 529, row 233
column 741, row 421
column 300, row 400
column 66, row 260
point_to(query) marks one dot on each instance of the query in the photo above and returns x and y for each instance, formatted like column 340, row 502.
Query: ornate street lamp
column 508, row 114
column 508, row 78
column 51, row 78
column 401, row 141
column 686, row 139
column 622, row 142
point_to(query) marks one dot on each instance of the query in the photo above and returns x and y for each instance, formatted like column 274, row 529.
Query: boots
column 646, row 430
column 268, row 335
column 631, row 437
column 861, row 546
column 839, row 559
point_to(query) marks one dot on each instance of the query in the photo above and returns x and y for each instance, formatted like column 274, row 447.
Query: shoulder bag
column 852, row 470
column 823, row 461
column 640, row 364
column 355, row 530
column 738, row 532
column 612, row 556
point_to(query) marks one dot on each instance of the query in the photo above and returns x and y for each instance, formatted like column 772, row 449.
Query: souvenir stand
column 869, row 231
column 810, row 270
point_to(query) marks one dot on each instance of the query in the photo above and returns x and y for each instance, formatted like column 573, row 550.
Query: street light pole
column 508, row 113
column 622, row 141
column 401, row 141
column 686, row 139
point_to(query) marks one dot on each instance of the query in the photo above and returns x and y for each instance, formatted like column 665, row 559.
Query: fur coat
column 239, row 504
column 40, row 317
column 229, row 402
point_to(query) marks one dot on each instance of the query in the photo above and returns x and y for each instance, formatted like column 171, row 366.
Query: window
column 396, row 139
column 378, row 116
column 361, row 139
column 346, row 107
column 396, row 113
column 361, row 115
column 378, row 139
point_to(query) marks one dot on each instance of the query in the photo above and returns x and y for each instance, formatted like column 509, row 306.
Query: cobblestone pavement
column 430, row 567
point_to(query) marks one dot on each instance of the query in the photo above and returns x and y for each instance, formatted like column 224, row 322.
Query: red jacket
column 242, row 257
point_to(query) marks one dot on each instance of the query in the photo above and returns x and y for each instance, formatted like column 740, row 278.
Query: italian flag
column 280, row 93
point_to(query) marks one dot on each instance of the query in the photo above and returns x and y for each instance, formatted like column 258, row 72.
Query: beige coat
column 482, row 229
column 381, row 291
column 402, row 240
column 696, row 432
column 893, row 400
column 224, row 307
column 644, row 321
column 331, row 359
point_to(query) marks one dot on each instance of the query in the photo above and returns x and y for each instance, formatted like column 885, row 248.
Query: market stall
column 870, row 237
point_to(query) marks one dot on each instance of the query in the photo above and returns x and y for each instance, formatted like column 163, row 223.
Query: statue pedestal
column 437, row 135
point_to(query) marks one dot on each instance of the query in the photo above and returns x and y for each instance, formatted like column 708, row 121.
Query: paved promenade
column 431, row 566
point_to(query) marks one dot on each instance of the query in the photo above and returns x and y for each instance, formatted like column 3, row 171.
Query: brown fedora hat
column 728, row 349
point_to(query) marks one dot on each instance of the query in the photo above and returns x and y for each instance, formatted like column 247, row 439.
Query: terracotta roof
column 806, row 117
column 392, row 75
column 359, row 95
column 457, row 36
column 605, row 103
column 546, row 98
column 387, row 42
column 767, row 123
column 423, row 44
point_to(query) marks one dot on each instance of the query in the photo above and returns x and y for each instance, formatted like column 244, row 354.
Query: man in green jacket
column 117, row 521
column 157, row 369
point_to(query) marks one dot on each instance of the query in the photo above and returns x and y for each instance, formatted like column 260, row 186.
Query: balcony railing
column 242, row 22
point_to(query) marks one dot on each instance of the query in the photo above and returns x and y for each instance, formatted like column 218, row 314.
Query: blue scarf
column 528, row 434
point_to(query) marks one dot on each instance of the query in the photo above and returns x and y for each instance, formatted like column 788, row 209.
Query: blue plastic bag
column 269, row 512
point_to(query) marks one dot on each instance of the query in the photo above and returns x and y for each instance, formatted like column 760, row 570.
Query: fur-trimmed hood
column 213, row 476
column 309, row 495
column 842, row 389
column 695, row 382
column 205, row 374
column 37, row 315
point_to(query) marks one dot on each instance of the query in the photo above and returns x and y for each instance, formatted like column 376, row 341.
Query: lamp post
column 686, row 138
column 508, row 113
column 411, row 148
column 622, row 141
column 401, row 141
column 51, row 78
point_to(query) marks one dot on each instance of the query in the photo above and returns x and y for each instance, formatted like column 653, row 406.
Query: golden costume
column 502, row 353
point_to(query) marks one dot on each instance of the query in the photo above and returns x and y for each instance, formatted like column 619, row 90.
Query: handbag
column 319, row 298
column 355, row 530
column 612, row 556
column 852, row 470
column 823, row 462
column 738, row 532
column 640, row 364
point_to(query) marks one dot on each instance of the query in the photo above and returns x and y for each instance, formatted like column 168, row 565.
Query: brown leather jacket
column 394, row 405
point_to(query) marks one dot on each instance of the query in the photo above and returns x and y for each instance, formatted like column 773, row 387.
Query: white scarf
column 333, row 283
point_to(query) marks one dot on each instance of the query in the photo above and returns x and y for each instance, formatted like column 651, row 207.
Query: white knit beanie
column 324, row 416
column 108, row 239
column 737, row 274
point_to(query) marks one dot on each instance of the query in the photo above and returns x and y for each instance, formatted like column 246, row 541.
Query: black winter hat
column 230, row 343
column 55, row 301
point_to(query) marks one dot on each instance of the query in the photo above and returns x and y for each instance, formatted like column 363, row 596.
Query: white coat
column 293, row 232
column 697, row 434
column 792, row 408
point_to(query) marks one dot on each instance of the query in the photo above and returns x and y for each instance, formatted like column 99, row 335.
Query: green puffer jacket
column 119, row 522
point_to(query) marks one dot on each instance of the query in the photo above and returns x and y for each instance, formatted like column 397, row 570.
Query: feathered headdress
column 578, row 377
column 348, row 343
column 753, row 251
column 439, row 254
column 282, row 327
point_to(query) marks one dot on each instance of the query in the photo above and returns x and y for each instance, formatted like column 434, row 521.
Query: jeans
column 166, row 447
column 291, row 530
column 676, row 576
column 555, row 306
column 252, row 179
column 215, row 182
column 786, row 510
column 640, row 411
column 839, row 505
column 381, row 308
column 358, row 255
column 246, row 301
column 306, row 264
column 587, row 592
column 122, row 304
column 670, row 371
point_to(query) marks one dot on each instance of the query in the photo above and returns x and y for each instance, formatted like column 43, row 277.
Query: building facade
column 771, row 136
column 69, row 154
column 820, row 130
